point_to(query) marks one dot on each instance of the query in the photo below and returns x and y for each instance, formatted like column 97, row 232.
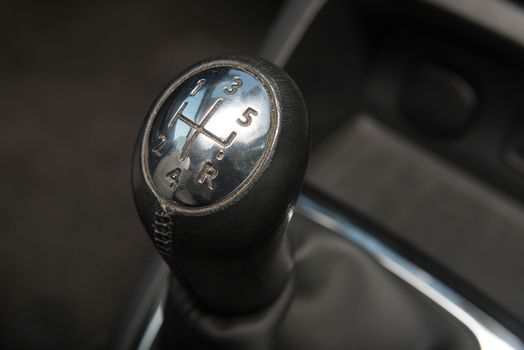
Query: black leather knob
column 218, row 165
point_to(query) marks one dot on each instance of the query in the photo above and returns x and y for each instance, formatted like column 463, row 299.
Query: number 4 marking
column 173, row 177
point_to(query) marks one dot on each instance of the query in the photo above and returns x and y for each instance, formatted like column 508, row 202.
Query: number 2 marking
column 158, row 148
column 235, row 85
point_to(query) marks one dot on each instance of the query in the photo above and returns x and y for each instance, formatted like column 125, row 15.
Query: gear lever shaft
column 218, row 165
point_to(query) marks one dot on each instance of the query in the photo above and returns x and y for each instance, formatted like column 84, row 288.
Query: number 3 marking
column 235, row 85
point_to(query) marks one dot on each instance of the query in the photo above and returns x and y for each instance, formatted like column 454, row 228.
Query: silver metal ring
column 209, row 136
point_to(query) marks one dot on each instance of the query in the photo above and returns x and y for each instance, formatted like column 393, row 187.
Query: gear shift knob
column 218, row 165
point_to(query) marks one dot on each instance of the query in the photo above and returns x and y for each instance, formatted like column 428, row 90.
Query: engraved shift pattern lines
column 208, row 171
column 198, row 129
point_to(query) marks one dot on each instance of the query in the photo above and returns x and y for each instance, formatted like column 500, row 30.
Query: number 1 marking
column 197, row 88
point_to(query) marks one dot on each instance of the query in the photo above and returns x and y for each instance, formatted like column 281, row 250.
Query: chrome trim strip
column 499, row 16
column 490, row 334
column 152, row 329
column 153, row 321
column 288, row 29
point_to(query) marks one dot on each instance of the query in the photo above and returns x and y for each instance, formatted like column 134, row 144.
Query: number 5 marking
column 248, row 115
column 235, row 85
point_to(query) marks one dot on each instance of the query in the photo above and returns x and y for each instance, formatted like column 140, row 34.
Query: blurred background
column 416, row 110
column 76, row 80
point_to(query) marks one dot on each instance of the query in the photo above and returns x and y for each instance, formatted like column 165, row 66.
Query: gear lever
column 218, row 165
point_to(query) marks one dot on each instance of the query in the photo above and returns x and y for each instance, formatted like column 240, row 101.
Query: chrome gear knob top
column 218, row 165
column 209, row 137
